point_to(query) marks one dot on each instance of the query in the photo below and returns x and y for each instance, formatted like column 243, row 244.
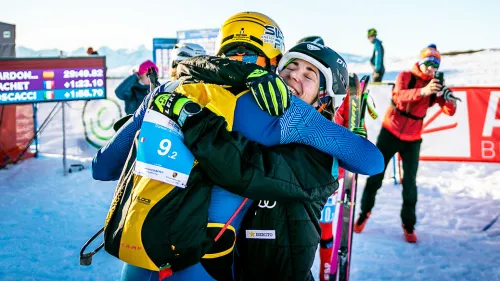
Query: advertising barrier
column 471, row 135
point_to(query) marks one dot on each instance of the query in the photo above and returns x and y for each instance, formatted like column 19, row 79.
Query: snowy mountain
column 119, row 58
column 121, row 62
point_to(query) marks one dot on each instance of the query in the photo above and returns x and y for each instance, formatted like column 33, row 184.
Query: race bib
column 161, row 153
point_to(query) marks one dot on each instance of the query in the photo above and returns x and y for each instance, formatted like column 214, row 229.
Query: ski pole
column 230, row 220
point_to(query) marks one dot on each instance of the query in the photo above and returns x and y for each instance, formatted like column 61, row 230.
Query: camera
column 440, row 76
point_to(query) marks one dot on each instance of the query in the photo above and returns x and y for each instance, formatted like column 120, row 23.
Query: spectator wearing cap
column 135, row 87
column 416, row 90
column 377, row 59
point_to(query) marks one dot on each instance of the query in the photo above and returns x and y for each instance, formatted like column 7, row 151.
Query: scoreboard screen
column 32, row 80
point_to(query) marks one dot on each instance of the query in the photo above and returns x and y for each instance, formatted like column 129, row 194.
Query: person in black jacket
column 294, row 174
column 135, row 87
column 278, row 237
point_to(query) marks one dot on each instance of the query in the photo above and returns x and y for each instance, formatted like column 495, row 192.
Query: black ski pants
column 410, row 152
column 377, row 76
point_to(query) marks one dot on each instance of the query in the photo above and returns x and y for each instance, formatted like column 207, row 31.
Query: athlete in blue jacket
column 377, row 59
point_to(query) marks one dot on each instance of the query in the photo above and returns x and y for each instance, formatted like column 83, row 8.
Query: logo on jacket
column 266, row 204
column 260, row 234
column 143, row 200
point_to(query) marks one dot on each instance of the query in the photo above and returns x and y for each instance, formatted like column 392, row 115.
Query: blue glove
column 270, row 91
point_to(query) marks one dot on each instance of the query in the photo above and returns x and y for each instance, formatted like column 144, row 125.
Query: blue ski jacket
column 377, row 59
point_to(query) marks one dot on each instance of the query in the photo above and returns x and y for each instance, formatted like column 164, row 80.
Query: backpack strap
column 413, row 81
column 411, row 85
column 432, row 99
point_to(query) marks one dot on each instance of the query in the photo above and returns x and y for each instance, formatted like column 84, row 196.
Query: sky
column 404, row 27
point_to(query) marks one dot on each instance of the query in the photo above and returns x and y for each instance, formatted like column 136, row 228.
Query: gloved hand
column 175, row 106
column 270, row 91
column 360, row 131
column 448, row 95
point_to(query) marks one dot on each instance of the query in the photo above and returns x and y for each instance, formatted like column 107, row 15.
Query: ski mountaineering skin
column 258, row 140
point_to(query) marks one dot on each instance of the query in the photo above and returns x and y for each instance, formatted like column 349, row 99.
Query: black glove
column 153, row 77
column 270, row 91
column 448, row 95
column 175, row 106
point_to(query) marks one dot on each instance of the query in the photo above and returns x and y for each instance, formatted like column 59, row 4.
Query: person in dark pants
column 377, row 59
column 415, row 91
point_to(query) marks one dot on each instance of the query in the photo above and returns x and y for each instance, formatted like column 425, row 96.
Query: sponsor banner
column 471, row 135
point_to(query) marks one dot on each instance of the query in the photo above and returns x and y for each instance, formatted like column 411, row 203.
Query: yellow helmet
column 253, row 30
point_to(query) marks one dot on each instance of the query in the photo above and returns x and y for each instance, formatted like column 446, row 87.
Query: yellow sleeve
column 214, row 97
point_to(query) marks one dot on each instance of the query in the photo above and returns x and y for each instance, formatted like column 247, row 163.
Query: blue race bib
column 161, row 153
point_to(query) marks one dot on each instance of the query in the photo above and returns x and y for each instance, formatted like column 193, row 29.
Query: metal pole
column 64, row 138
column 35, row 125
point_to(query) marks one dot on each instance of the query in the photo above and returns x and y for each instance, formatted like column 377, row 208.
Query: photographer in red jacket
column 415, row 91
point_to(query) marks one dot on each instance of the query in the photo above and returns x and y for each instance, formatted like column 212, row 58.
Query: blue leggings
column 134, row 273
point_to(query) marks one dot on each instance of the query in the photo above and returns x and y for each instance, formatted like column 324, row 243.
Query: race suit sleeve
column 301, row 123
column 108, row 163
column 284, row 173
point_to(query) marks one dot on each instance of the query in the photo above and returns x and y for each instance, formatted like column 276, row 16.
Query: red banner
column 16, row 130
column 472, row 134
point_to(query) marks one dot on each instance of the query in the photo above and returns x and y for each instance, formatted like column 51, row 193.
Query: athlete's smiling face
column 303, row 79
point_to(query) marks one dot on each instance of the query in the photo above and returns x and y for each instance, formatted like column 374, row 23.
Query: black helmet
column 314, row 39
column 329, row 63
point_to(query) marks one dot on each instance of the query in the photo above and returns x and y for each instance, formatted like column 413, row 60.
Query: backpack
column 155, row 225
column 160, row 227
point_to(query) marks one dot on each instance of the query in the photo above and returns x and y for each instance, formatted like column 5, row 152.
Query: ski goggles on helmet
column 249, row 55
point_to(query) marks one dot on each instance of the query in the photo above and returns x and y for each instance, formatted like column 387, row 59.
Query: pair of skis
column 345, row 206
